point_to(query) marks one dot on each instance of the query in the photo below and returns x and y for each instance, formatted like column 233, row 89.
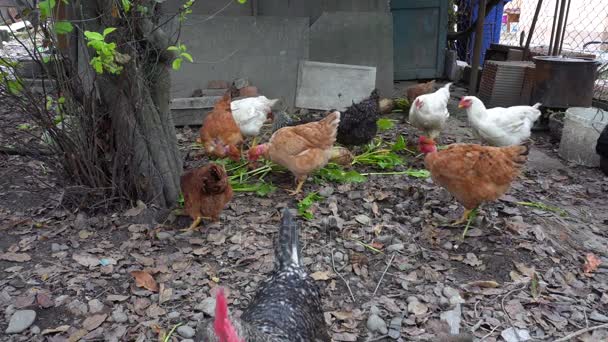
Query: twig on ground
column 490, row 333
column 333, row 264
column 383, row 273
column 580, row 332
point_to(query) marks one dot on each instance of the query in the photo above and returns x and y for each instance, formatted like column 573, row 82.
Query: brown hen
column 220, row 134
column 474, row 174
column 302, row 149
column 206, row 191
column 412, row 92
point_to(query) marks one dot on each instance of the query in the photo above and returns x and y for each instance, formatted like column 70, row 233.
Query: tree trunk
column 141, row 149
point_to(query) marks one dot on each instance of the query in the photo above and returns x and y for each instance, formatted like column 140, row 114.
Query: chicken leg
column 463, row 219
column 298, row 187
column 195, row 224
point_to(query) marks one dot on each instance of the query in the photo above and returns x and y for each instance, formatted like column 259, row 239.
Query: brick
column 218, row 84
column 249, row 91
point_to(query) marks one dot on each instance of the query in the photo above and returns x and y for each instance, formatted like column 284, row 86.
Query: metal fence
column 585, row 31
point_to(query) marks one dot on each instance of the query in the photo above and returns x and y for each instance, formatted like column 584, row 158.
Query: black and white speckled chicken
column 287, row 307
column 357, row 123
column 602, row 149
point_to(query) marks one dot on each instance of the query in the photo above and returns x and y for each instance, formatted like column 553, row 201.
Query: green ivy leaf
column 173, row 48
column 187, row 56
column 63, row 27
column 242, row 1
column 177, row 64
column 126, row 5
column 399, row 145
column 108, row 30
column 93, row 36
column 46, row 7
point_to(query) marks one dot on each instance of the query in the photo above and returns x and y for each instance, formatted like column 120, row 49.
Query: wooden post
column 558, row 31
column 481, row 18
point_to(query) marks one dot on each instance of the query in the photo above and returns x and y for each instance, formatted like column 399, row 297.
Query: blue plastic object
column 491, row 28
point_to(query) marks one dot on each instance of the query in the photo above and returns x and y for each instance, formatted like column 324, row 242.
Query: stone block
column 327, row 86
column 191, row 111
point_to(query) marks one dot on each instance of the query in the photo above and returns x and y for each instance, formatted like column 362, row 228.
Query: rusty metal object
column 563, row 82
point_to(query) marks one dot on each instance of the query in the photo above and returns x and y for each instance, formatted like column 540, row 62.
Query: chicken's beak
column 460, row 105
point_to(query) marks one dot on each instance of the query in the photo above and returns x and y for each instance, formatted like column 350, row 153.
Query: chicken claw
column 194, row 224
column 463, row 219
column 298, row 188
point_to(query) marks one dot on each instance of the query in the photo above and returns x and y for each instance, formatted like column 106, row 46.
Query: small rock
column 163, row 236
column 21, row 320
column 338, row 256
column 59, row 301
column 395, row 248
column 373, row 310
column 417, row 308
column 207, row 306
column 598, row 317
column 119, row 316
column 185, row 331
column 187, row 340
column 95, row 306
column 375, row 323
column 515, row 335
column 448, row 245
column 55, row 247
column 395, row 327
column 326, row 191
column 35, row 330
column 173, row 315
column 363, row 219
column 78, row 308
column 9, row 310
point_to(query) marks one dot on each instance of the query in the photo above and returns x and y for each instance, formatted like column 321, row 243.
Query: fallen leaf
column 116, row 298
column 342, row 315
column 44, row 301
column 59, row 329
column 135, row 211
column 16, row 257
column 164, row 294
column 84, row 234
column 592, row 262
column 77, row 335
column 320, row 275
column 94, row 321
column 525, row 270
column 472, row 260
column 86, row 260
column 484, row 284
column 145, row 280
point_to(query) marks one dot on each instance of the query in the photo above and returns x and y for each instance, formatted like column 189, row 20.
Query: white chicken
column 500, row 126
column 251, row 113
column 429, row 112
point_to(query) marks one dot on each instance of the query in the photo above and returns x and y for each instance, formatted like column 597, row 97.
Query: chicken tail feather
column 287, row 250
column 537, row 105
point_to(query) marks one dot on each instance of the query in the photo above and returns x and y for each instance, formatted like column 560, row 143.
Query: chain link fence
column 585, row 32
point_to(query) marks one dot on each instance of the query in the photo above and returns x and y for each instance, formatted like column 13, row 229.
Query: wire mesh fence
column 585, row 32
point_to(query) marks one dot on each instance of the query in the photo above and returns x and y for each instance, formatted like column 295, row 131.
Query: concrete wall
column 314, row 8
column 211, row 7
column 359, row 38
column 266, row 50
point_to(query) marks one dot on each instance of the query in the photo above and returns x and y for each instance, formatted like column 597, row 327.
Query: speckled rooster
column 286, row 308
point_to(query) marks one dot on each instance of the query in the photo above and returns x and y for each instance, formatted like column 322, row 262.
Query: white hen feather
column 429, row 112
column 501, row 126
column 251, row 113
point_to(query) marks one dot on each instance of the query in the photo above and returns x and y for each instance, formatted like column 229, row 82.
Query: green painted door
column 419, row 34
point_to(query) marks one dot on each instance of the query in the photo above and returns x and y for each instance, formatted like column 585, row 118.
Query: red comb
column 222, row 325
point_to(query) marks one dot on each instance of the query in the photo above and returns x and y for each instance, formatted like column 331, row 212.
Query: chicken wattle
column 286, row 308
column 500, row 126
column 429, row 112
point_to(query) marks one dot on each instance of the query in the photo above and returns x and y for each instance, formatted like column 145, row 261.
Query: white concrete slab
column 326, row 86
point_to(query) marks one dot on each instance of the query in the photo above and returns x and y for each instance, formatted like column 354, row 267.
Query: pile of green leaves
column 244, row 180
column 306, row 203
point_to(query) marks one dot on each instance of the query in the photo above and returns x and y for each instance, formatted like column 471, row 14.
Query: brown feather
column 475, row 174
column 206, row 191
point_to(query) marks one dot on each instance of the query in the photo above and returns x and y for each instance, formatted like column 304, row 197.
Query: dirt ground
column 380, row 248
